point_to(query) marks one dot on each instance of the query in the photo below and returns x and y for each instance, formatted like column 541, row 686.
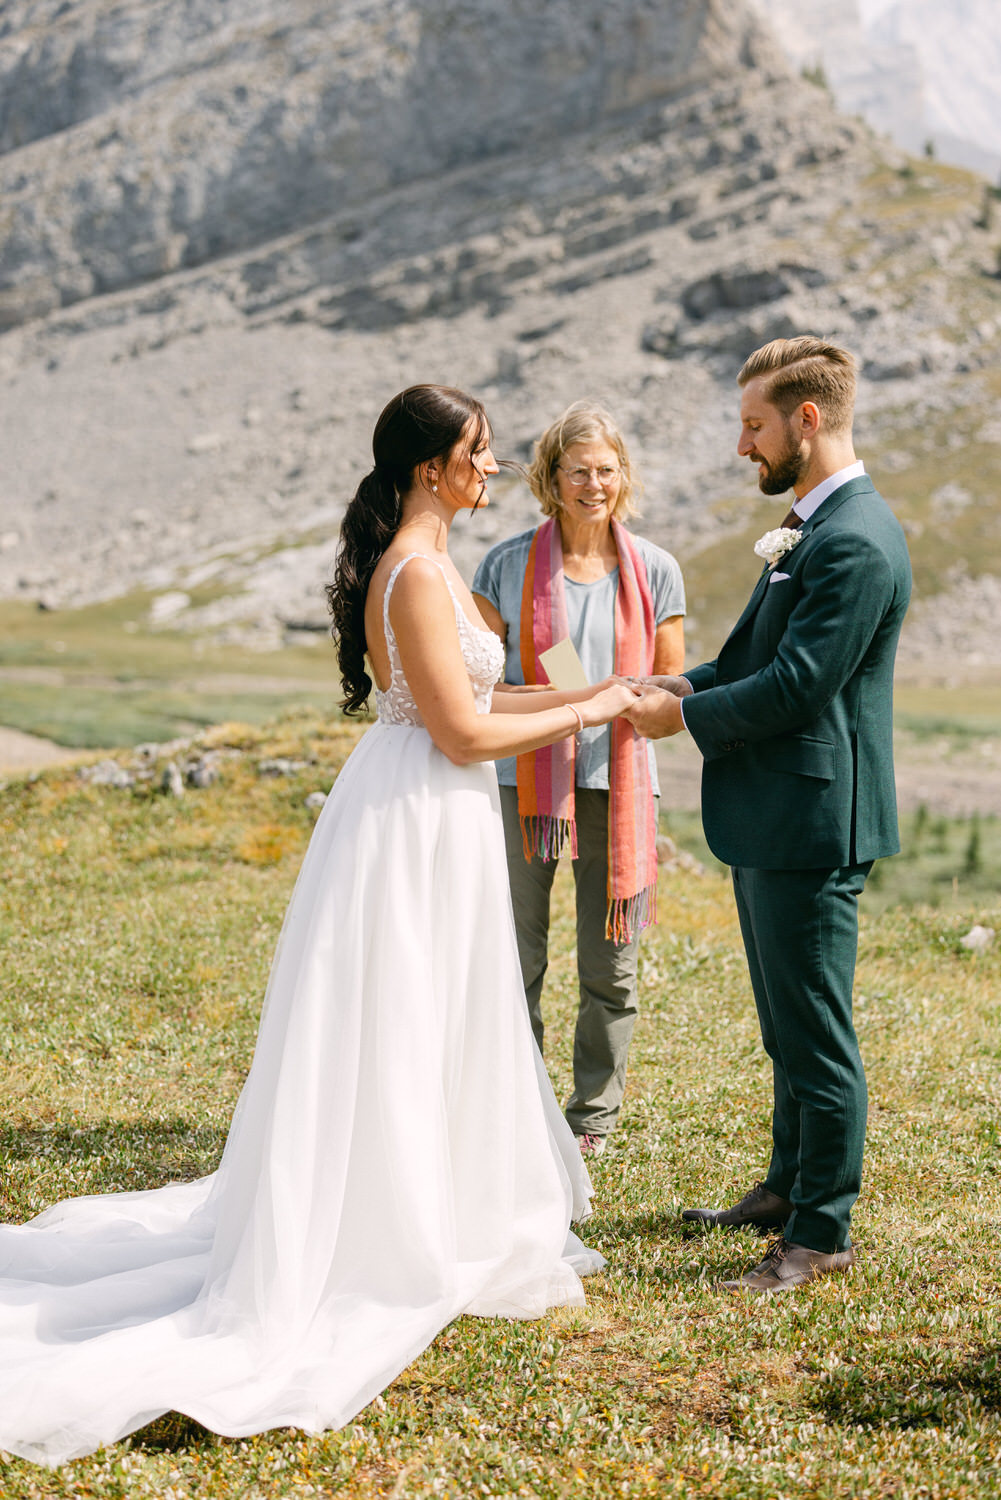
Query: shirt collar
column 815, row 498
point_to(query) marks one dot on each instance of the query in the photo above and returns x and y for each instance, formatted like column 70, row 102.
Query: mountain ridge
column 261, row 126
column 193, row 437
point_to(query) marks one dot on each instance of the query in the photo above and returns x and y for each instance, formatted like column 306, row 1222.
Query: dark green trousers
column 606, row 971
column 800, row 930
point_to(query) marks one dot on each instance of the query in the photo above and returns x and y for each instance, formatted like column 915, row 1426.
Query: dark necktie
column 792, row 521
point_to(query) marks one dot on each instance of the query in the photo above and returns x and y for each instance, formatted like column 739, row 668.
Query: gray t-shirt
column 500, row 578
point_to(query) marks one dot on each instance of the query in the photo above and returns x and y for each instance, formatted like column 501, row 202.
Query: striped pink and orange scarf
column 546, row 777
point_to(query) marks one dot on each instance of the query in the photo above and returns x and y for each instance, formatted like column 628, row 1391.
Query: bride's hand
column 607, row 703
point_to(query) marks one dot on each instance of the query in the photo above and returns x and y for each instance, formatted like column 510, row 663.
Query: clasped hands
column 657, row 712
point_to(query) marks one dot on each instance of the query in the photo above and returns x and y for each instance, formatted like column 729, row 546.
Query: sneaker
column 591, row 1145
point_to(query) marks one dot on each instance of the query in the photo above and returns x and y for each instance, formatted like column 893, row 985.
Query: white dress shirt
column 814, row 499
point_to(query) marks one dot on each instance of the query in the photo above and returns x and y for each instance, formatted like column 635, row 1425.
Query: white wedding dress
column 397, row 1156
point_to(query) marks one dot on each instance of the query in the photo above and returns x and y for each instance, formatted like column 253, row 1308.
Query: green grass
column 97, row 676
column 137, row 931
column 90, row 718
column 685, row 828
column 950, row 862
column 960, row 712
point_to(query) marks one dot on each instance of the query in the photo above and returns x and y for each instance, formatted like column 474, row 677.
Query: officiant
column 583, row 577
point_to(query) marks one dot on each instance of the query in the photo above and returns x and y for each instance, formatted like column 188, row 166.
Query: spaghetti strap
column 482, row 654
column 387, row 628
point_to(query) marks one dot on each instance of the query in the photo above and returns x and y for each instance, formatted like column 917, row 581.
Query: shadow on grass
column 913, row 1398
column 658, row 1250
column 670, row 1226
column 640, row 1226
column 135, row 1138
column 175, row 1433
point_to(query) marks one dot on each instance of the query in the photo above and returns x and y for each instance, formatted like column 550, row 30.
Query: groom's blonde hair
column 806, row 369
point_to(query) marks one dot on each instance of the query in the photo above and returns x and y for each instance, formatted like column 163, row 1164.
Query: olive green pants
column 606, row 971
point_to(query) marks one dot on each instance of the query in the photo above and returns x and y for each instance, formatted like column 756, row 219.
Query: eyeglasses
column 579, row 476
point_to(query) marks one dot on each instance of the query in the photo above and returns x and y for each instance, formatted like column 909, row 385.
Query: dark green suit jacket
column 794, row 717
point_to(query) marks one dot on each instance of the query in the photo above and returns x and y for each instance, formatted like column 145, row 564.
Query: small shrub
column 816, row 76
column 985, row 219
column 971, row 859
column 268, row 844
column 939, row 836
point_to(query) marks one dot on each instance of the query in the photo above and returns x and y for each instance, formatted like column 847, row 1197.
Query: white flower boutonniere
column 775, row 544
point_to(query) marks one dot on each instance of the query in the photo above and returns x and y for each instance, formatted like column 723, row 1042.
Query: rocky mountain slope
column 917, row 70
column 188, row 132
column 229, row 234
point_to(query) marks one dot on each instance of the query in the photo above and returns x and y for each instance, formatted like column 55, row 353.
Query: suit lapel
column 861, row 486
column 757, row 594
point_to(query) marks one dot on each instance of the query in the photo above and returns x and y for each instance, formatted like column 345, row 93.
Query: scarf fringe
column 630, row 914
column 548, row 837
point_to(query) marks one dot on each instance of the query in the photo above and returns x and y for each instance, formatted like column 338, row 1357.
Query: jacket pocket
column 802, row 755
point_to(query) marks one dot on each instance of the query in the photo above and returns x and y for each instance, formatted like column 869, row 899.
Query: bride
column 397, row 1156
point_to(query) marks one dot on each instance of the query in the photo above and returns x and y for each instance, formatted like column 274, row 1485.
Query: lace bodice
column 482, row 653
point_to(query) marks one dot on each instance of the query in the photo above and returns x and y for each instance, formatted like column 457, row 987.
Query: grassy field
column 137, row 931
column 99, row 676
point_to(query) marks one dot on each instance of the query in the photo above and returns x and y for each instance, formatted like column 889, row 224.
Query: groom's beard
column 781, row 474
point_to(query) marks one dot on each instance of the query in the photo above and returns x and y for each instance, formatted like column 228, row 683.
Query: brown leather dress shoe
column 787, row 1266
column 758, row 1209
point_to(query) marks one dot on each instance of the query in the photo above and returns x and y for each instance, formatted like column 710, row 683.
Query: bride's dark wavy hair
column 422, row 423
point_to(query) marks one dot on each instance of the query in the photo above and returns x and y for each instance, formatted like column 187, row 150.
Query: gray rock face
column 741, row 287
column 188, row 132
column 229, row 234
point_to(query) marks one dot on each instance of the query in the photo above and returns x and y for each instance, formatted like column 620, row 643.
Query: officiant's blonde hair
column 806, row 369
column 583, row 422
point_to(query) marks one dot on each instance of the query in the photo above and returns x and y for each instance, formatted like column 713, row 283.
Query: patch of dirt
column 28, row 752
column 952, row 781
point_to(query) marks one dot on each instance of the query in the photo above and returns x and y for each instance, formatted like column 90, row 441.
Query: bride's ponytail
column 370, row 523
column 422, row 423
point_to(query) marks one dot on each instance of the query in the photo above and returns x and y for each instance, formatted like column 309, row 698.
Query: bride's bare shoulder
column 415, row 588
column 420, row 571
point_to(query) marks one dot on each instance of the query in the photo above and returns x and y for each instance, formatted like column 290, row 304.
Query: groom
column 793, row 719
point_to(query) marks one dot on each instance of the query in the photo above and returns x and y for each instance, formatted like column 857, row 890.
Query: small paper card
column 564, row 667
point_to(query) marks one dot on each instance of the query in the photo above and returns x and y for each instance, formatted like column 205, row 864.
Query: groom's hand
column 658, row 713
column 679, row 686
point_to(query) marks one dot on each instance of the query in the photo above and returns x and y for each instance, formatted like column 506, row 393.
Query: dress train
column 397, row 1156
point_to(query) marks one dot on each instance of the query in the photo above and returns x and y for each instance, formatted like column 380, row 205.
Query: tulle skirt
column 397, row 1156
